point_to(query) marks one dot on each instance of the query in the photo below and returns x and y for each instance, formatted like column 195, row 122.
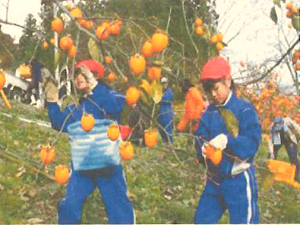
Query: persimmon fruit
column 198, row 22
column 2, row 79
column 214, row 39
column 137, row 64
column 115, row 28
column 159, row 41
column 45, row 45
column 154, row 73
column 87, row 122
column 147, row 49
column 72, row 52
column 126, row 150
column 107, row 59
column 216, row 157
column 76, row 13
column 113, row 132
column 199, row 30
column 102, row 32
column 111, row 77
column 219, row 46
column 220, row 37
column 57, row 25
column 47, row 154
column 61, row 174
column 132, row 95
column 52, row 41
column 66, row 43
column 150, row 137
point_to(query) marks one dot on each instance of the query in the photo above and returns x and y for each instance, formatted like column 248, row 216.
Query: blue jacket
column 36, row 73
column 103, row 103
column 240, row 151
column 166, row 113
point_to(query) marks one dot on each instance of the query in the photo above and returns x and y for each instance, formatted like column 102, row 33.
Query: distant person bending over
column 285, row 131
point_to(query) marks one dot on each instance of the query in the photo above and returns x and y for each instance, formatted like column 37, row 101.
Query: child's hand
column 219, row 142
column 211, row 152
column 208, row 150
column 92, row 82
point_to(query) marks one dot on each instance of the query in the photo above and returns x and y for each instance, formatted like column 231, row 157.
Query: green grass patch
column 164, row 184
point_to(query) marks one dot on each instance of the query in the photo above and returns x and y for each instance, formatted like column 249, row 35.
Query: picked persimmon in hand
column 213, row 154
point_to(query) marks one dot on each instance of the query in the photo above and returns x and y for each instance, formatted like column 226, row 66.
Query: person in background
column 194, row 106
column 36, row 81
column 166, row 113
column 138, row 121
column 231, row 184
column 285, row 131
column 95, row 159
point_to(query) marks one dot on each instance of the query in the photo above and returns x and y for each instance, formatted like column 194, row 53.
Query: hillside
column 164, row 184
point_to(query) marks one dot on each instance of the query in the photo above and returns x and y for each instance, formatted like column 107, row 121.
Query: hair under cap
column 216, row 68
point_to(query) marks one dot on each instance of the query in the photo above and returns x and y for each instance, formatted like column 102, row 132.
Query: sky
column 257, row 39
column 18, row 11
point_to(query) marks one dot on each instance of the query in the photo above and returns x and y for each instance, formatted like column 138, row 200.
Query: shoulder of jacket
column 244, row 105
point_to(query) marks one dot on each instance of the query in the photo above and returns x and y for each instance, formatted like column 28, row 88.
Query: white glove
column 219, row 141
column 46, row 75
column 51, row 92
column 203, row 149
column 91, row 80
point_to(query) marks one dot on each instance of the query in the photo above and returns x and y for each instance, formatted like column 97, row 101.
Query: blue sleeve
column 109, row 100
column 59, row 119
column 246, row 144
column 201, row 135
column 167, row 97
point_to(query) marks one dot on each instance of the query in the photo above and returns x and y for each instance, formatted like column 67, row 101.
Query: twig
column 187, row 29
column 16, row 159
column 7, row 50
column 167, row 28
column 273, row 67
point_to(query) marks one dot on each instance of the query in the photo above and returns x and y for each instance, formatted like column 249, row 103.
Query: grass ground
column 164, row 184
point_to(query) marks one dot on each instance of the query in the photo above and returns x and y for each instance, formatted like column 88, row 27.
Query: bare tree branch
column 12, row 24
column 187, row 29
column 7, row 8
column 273, row 67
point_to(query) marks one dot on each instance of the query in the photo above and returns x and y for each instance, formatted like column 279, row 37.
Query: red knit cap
column 93, row 66
column 216, row 68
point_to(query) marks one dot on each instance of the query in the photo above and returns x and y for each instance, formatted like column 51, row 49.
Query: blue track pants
column 113, row 191
column 237, row 194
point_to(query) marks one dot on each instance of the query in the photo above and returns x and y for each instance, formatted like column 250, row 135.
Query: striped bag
column 93, row 150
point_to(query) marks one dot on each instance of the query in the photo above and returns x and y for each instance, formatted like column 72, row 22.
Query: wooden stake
column 8, row 105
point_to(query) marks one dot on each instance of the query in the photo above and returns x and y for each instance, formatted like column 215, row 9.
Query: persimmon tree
column 118, row 31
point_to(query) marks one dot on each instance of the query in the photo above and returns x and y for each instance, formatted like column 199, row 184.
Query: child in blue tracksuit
column 231, row 184
column 95, row 158
column 166, row 113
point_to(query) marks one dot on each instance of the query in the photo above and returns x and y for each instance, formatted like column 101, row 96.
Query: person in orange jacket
column 194, row 106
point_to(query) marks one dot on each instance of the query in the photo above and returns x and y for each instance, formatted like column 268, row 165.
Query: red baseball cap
column 93, row 66
column 216, row 68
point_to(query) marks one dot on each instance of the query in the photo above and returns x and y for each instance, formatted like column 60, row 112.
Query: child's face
column 81, row 83
column 220, row 92
column 165, row 85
